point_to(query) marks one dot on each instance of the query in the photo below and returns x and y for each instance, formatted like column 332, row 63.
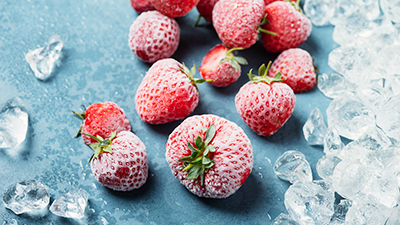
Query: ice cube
column 332, row 142
column 341, row 209
column 319, row 11
column 393, row 82
column 315, row 129
column 13, row 123
column 394, row 218
column 356, row 27
column 344, row 9
column 387, row 60
column 325, row 167
column 293, row 167
column 334, row 85
column 71, row 204
column 373, row 96
column 391, row 9
column 349, row 177
column 26, row 196
column 382, row 188
column 42, row 60
column 284, row 219
column 388, row 118
column 367, row 212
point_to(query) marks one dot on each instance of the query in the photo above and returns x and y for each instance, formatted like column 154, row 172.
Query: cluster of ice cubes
column 361, row 139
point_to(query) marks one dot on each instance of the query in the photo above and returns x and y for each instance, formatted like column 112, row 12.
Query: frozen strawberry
column 265, row 103
column 287, row 21
column 267, row 2
column 297, row 69
column 154, row 36
column 168, row 92
column 101, row 119
column 237, row 21
column 119, row 162
column 174, row 8
column 205, row 8
column 220, row 67
column 210, row 155
column 142, row 5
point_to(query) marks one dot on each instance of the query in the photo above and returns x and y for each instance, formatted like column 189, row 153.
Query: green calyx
column 198, row 163
column 101, row 145
column 234, row 60
column 83, row 117
column 261, row 30
column 262, row 75
column 190, row 74
column 296, row 5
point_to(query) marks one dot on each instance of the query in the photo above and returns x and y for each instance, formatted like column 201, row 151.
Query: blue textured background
column 98, row 66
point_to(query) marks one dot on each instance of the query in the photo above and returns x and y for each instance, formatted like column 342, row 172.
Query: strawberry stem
column 262, row 75
column 83, row 117
column 101, row 145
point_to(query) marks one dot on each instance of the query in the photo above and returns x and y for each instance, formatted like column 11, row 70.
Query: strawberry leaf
column 210, row 134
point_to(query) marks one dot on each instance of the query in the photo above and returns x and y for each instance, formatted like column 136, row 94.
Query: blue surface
column 98, row 66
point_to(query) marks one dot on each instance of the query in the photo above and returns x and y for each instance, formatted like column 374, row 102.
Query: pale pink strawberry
column 168, row 92
column 120, row 162
column 290, row 25
column 174, row 8
column 236, row 21
column 220, row 67
column 210, row 155
column 297, row 69
column 142, row 5
column 205, row 8
column 101, row 119
column 154, row 36
column 265, row 103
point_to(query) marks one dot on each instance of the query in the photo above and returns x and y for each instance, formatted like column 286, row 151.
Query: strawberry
column 154, row 36
column 142, row 5
column 174, row 8
column 290, row 25
column 119, row 162
column 267, row 2
column 296, row 67
column 205, row 8
column 168, row 92
column 236, row 21
column 221, row 66
column 101, row 119
column 265, row 103
column 210, row 155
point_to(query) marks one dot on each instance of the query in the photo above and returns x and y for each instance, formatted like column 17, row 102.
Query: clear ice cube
column 26, row 196
column 356, row 27
column 284, row 219
column 71, row 204
column 387, row 60
column 393, row 82
column 293, row 167
column 319, row 11
column 325, row 167
column 388, row 118
column 373, row 95
column 334, row 85
column 391, row 9
column 42, row 60
column 315, row 129
column 332, row 142
column 341, row 209
column 344, row 9
column 366, row 212
column 13, row 123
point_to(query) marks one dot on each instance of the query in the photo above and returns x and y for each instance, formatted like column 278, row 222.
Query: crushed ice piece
column 319, row 11
column 388, row 118
column 284, row 219
column 42, row 60
column 325, row 167
column 309, row 203
column 393, row 82
column 349, row 177
column 315, row 129
column 332, row 142
column 373, row 95
column 26, row 196
column 293, row 167
column 356, row 27
column 341, row 209
column 387, row 60
column 344, row 9
column 391, row 9
column 366, row 212
column 394, row 218
column 334, row 85
column 13, row 123
column 71, row 204
column 382, row 188
column 349, row 116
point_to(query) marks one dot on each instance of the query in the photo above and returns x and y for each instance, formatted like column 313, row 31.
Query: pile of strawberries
column 208, row 154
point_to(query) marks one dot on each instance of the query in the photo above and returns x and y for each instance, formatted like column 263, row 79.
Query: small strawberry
column 237, row 21
column 142, row 5
column 174, row 8
column 210, row 155
column 221, row 66
column 119, row 162
column 290, row 25
column 265, row 103
column 101, row 119
column 297, row 69
column 154, row 36
column 168, row 92
column 205, row 8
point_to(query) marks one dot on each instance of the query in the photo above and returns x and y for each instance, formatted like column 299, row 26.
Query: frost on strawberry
column 210, row 155
column 142, row 5
column 265, row 103
column 174, row 8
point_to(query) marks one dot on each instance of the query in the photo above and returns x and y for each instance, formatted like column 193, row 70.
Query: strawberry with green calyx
column 101, row 145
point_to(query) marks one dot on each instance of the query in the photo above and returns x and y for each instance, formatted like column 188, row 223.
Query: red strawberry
column 142, row 5
column 154, row 36
column 291, row 26
column 236, row 21
column 296, row 67
column 101, row 119
column 168, row 92
column 267, row 2
column 264, row 103
column 174, row 8
column 210, row 155
column 120, row 162
column 221, row 66
column 205, row 8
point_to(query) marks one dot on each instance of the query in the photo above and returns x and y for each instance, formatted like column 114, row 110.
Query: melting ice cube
column 43, row 59
column 293, row 166
column 319, row 12
column 71, row 204
column 315, row 129
column 13, row 123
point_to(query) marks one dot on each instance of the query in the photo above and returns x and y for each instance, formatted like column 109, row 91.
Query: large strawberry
column 265, row 103
column 288, row 22
column 154, row 36
column 297, row 69
column 237, row 21
column 168, row 92
column 210, row 155
column 119, row 162
column 101, row 119
column 142, row 5
column 220, row 66
column 174, row 8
